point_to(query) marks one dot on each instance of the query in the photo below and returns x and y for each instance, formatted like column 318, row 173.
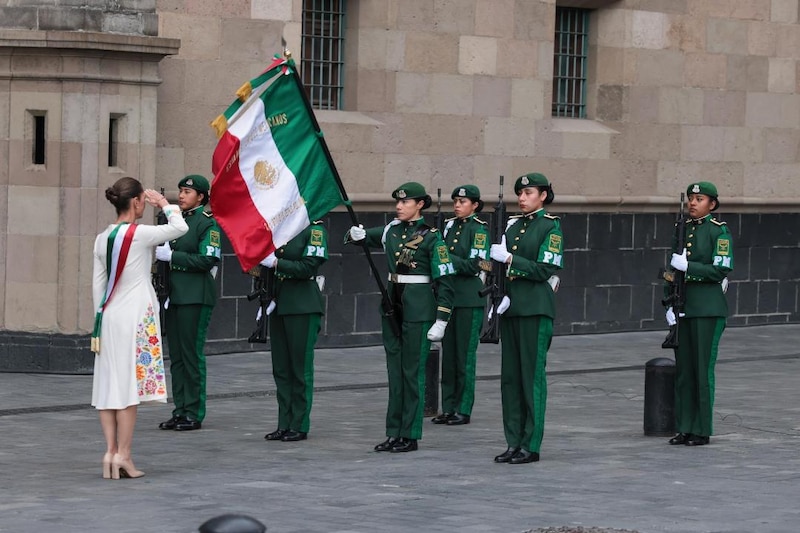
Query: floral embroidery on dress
column 150, row 382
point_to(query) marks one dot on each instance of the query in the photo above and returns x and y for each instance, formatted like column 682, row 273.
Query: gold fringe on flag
column 244, row 92
column 220, row 125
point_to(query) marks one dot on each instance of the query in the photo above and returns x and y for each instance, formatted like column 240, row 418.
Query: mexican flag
column 272, row 172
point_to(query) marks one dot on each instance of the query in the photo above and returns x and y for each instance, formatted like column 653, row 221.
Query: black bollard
column 432, row 382
column 659, row 397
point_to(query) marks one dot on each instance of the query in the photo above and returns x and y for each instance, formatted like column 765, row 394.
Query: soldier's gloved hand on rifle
column 357, row 233
column 436, row 333
column 270, row 261
column 499, row 252
column 679, row 261
column 502, row 307
column 270, row 309
column 671, row 319
column 164, row 252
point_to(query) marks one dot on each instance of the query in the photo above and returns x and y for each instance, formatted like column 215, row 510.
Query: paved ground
column 598, row 470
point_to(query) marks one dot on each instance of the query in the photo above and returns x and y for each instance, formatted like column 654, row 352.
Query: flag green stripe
column 300, row 146
column 255, row 83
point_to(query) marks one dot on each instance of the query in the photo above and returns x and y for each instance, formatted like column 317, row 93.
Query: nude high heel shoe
column 123, row 468
column 107, row 458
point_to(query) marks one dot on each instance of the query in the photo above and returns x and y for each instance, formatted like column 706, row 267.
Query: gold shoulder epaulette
column 718, row 222
column 551, row 217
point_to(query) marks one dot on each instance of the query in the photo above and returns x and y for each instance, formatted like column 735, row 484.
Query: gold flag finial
column 287, row 53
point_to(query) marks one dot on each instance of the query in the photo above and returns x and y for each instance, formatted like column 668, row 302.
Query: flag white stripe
column 280, row 203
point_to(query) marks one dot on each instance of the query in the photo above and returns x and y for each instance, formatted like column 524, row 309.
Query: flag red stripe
column 233, row 207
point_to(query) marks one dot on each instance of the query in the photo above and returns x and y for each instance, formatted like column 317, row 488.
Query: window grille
column 323, row 52
column 570, row 62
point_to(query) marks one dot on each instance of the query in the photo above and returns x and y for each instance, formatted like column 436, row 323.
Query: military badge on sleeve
column 554, row 243
column 316, row 237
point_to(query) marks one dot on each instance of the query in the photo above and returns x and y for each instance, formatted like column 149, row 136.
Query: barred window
column 570, row 62
column 323, row 52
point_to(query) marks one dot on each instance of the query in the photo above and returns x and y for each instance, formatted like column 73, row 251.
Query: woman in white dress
column 129, row 365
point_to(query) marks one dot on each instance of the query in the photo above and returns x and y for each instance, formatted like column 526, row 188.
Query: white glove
column 357, row 233
column 270, row 309
column 499, row 252
column 679, row 261
column 164, row 252
column 270, row 261
column 502, row 307
column 671, row 320
column 437, row 330
column 554, row 282
column 505, row 303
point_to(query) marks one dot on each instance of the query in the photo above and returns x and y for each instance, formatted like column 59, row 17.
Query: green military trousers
column 292, row 340
column 459, row 347
column 524, row 344
column 405, row 365
column 695, row 358
column 187, row 326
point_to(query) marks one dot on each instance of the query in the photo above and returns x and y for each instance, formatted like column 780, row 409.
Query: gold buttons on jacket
column 514, row 247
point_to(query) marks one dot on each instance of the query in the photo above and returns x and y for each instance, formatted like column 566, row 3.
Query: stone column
column 77, row 112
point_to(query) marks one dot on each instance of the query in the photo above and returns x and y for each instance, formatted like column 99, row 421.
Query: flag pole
column 388, row 310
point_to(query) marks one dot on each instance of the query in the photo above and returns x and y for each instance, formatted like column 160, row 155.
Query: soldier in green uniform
column 193, row 261
column 532, row 247
column 418, row 260
column 706, row 260
column 467, row 242
column 294, row 327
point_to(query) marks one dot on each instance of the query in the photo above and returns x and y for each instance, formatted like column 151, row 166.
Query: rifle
column 496, row 279
column 676, row 296
column 264, row 290
column 438, row 220
column 159, row 275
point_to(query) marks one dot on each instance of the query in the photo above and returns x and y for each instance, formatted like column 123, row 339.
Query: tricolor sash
column 119, row 244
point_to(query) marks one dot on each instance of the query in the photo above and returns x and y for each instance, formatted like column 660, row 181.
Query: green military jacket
column 413, row 248
column 709, row 249
column 296, row 289
column 195, row 256
column 467, row 241
column 537, row 248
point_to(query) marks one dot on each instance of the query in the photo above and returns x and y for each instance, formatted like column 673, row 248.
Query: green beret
column 466, row 191
column 534, row 179
column 412, row 189
column 704, row 187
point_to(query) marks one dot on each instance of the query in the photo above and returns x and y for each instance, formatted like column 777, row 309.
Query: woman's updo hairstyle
column 122, row 192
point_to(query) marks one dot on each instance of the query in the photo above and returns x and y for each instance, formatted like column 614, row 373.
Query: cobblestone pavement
column 598, row 472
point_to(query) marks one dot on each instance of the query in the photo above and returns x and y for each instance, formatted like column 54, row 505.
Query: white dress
column 130, row 366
